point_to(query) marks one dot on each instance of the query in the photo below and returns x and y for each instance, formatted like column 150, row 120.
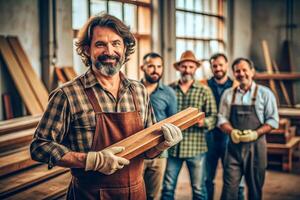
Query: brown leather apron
column 126, row 183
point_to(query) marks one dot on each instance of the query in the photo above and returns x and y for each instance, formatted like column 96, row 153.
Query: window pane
column 199, row 49
column 214, row 47
column 79, row 13
column 214, row 6
column 199, row 5
column 190, row 24
column 144, row 20
column 199, row 28
column 180, row 48
column 130, row 16
column 115, row 8
column 180, row 4
column 190, row 45
column 97, row 7
column 189, row 4
column 180, row 25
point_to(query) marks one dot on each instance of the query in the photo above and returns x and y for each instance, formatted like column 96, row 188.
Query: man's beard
column 219, row 77
column 108, row 69
column 149, row 79
column 186, row 77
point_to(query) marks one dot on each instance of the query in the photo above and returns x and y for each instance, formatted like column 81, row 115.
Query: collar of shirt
column 214, row 82
column 159, row 86
column 251, row 89
column 196, row 84
column 90, row 80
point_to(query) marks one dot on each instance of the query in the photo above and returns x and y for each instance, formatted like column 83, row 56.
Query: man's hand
column 172, row 135
column 106, row 161
column 235, row 136
column 248, row 136
column 201, row 122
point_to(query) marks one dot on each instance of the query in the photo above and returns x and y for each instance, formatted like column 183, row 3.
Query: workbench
column 286, row 151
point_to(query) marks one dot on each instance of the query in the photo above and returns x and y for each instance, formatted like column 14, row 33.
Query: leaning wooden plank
column 50, row 189
column 8, row 112
column 36, row 84
column 152, row 136
column 16, row 139
column 60, row 75
column 282, row 86
column 20, row 123
column 69, row 72
column 268, row 63
column 18, row 181
column 15, row 162
column 24, row 89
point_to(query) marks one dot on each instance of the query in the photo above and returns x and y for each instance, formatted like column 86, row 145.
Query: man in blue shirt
column 164, row 103
column 246, row 114
column 216, row 139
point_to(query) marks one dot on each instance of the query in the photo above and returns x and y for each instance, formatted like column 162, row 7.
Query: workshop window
column 200, row 28
column 134, row 13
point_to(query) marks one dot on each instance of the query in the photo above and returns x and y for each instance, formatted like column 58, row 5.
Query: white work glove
column 248, row 136
column 235, row 136
column 172, row 135
column 105, row 161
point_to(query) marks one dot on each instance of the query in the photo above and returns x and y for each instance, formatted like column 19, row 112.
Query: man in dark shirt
column 164, row 104
column 216, row 139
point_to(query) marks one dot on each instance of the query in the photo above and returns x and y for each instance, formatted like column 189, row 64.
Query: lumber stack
column 283, row 134
column 20, row 176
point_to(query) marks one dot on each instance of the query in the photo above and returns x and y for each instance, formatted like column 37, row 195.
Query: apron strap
column 135, row 101
column 254, row 94
column 233, row 96
column 91, row 96
column 253, row 98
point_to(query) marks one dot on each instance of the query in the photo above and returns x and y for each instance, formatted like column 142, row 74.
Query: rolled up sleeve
column 224, row 108
column 271, row 111
column 47, row 145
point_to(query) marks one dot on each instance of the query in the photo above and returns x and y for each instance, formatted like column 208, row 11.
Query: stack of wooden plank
column 282, row 142
column 30, row 87
column 20, row 176
column 283, row 134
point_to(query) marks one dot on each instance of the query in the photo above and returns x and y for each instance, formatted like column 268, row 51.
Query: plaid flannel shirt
column 68, row 123
column 198, row 96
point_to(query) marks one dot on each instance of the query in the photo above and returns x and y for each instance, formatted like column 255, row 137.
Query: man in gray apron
column 97, row 109
column 247, row 113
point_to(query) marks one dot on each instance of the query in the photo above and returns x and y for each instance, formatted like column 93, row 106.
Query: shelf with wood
column 277, row 76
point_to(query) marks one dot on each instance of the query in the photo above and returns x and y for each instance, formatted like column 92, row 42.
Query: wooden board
column 51, row 189
column 8, row 112
column 20, row 123
column 36, row 84
column 60, row 75
column 16, row 139
column 278, row 76
column 268, row 63
column 24, row 89
column 16, row 182
column 289, row 112
column 15, row 162
column 69, row 73
column 152, row 136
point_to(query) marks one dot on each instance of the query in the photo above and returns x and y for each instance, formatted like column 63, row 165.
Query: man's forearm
column 226, row 128
column 265, row 128
column 73, row 160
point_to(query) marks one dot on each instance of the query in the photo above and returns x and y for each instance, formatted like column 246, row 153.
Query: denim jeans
column 197, row 170
column 217, row 144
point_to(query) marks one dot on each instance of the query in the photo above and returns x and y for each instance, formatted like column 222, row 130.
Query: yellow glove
column 235, row 136
column 248, row 136
column 105, row 161
column 172, row 135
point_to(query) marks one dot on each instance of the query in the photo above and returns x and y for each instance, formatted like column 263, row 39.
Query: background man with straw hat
column 192, row 149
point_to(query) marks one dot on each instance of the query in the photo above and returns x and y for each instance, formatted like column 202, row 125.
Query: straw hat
column 187, row 56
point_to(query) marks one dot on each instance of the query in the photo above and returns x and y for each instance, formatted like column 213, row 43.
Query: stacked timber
column 20, row 176
column 283, row 134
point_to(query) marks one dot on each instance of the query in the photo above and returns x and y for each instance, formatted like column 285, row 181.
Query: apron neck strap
column 91, row 96
column 135, row 101
column 253, row 98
